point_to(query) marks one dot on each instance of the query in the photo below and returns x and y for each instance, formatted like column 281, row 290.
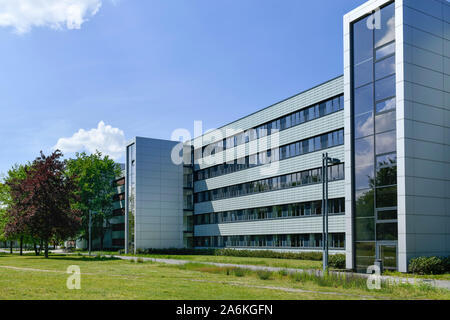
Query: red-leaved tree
column 47, row 197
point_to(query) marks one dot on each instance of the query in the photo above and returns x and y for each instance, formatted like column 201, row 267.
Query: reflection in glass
column 364, row 176
column 386, row 105
column 363, row 48
column 363, row 73
column 387, row 231
column 386, row 33
column 386, row 197
column 385, row 122
column 386, row 142
column 365, row 229
column 385, row 51
column 385, row 68
column 364, row 151
column 385, row 88
column 364, row 125
column 364, row 203
column 387, row 160
column 365, row 253
column 386, row 176
column 387, row 215
column 364, row 99
column 388, row 253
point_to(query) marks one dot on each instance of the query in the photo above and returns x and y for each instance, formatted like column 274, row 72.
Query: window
column 363, row 73
column 387, row 215
column 385, row 51
column 364, row 204
column 386, row 197
column 386, row 105
column 385, row 68
column 386, row 142
column 364, row 125
column 387, row 231
column 364, row 99
column 363, row 48
column 385, row 122
column 385, row 88
column 365, row 229
column 386, row 33
column 364, row 151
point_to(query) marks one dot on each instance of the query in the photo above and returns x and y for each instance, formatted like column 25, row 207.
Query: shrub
column 283, row 273
column 264, row 275
column 446, row 264
column 337, row 261
column 239, row 272
column 316, row 256
column 427, row 265
column 140, row 260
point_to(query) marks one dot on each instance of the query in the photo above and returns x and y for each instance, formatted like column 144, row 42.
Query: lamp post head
column 334, row 161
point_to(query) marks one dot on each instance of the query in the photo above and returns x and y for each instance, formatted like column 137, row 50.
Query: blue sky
column 148, row 67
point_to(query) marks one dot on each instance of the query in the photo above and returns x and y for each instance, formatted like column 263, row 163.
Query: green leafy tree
column 15, row 175
column 94, row 175
column 43, row 202
column 4, row 197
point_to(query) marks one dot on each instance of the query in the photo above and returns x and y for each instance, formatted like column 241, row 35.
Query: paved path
column 436, row 283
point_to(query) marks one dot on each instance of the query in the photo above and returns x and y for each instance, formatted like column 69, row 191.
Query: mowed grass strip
column 266, row 262
column 117, row 279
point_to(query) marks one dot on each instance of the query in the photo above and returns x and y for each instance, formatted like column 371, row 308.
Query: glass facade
column 374, row 138
column 131, row 194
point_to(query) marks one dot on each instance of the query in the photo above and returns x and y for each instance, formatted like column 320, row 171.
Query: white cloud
column 106, row 139
column 23, row 15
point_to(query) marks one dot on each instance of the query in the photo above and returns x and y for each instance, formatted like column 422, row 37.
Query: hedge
column 336, row 261
column 429, row 265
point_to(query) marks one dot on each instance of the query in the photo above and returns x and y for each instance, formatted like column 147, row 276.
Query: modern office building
column 158, row 196
column 257, row 182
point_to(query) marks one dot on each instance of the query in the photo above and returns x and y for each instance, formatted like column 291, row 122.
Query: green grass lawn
column 31, row 277
column 267, row 262
column 445, row 276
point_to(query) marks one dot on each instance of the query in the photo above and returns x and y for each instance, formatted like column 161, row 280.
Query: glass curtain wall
column 374, row 136
column 131, row 196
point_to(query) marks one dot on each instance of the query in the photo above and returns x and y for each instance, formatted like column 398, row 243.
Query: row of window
column 286, row 122
column 302, row 178
column 301, row 241
column 324, row 141
column 311, row 208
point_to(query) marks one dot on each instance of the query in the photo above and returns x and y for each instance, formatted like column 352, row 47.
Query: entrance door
column 388, row 253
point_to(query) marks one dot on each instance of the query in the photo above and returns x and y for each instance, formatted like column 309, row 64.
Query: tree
column 12, row 225
column 94, row 175
column 44, row 201
column 4, row 196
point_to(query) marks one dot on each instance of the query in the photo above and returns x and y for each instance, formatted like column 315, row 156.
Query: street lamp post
column 90, row 232
column 325, row 161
